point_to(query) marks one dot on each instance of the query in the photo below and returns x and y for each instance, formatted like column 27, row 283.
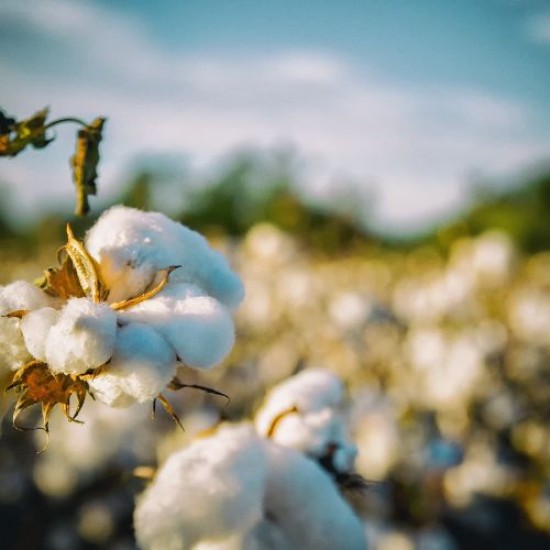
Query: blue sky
column 408, row 99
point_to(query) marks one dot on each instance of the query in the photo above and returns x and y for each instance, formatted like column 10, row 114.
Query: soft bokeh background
column 378, row 172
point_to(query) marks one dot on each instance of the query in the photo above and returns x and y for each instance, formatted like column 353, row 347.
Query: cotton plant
column 279, row 482
column 139, row 297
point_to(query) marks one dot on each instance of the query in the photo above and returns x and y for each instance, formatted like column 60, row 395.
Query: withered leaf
column 18, row 135
column 63, row 282
column 84, row 163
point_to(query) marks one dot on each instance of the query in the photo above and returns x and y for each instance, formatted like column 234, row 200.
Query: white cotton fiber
column 132, row 246
column 13, row 352
column 309, row 391
column 22, row 295
column 35, row 327
column 201, row 332
column 18, row 295
column 143, row 363
column 210, row 491
column 83, row 337
column 304, row 505
column 199, row 328
column 317, row 426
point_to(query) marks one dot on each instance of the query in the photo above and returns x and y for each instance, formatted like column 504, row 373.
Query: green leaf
column 84, row 162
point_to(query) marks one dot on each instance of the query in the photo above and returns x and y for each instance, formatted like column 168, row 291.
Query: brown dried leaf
column 84, row 162
column 63, row 282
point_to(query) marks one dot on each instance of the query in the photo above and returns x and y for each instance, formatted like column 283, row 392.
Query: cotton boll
column 35, row 327
column 209, row 491
column 13, row 352
column 198, row 327
column 303, row 413
column 22, row 295
column 83, row 337
column 318, row 435
column 142, row 364
column 132, row 246
column 237, row 491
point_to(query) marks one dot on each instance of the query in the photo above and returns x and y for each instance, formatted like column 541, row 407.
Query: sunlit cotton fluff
column 304, row 413
column 199, row 327
column 210, row 490
column 83, row 337
column 143, row 363
column 18, row 295
column 35, row 326
column 236, row 490
column 131, row 247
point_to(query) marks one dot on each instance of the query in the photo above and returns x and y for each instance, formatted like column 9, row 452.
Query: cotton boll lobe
column 143, row 363
column 306, row 506
column 83, row 337
column 13, row 352
column 132, row 246
column 202, row 332
column 35, row 327
column 21, row 295
column 199, row 328
column 18, row 295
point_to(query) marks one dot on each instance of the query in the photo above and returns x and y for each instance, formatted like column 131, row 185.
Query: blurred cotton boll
column 236, row 490
column 132, row 246
column 205, row 493
column 77, row 453
column 304, row 413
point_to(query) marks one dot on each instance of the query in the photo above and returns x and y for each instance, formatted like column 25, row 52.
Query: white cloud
column 416, row 145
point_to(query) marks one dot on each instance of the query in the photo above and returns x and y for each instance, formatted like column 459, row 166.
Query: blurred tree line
column 250, row 190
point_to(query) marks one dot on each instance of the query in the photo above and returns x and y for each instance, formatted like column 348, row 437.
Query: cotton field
column 380, row 399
